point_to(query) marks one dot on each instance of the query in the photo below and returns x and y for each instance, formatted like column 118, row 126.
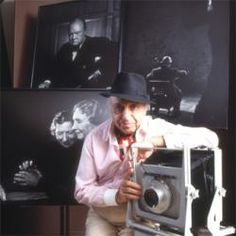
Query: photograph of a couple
column 42, row 141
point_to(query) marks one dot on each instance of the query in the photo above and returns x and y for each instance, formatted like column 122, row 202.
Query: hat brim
column 127, row 97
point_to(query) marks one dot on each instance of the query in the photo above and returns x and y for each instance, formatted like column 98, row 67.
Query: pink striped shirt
column 101, row 170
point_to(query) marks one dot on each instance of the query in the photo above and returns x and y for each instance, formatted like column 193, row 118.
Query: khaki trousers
column 107, row 221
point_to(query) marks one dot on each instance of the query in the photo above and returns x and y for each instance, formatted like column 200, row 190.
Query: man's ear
column 52, row 129
column 148, row 107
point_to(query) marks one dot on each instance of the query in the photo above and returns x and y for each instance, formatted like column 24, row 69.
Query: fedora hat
column 129, row 86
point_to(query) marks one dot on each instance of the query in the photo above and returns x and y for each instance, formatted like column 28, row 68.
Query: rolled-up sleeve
column 177, row 136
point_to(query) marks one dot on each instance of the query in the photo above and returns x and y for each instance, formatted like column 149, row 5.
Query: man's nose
column 65, row 137
column 73, row 126
column 74, row 36
column 126, row 113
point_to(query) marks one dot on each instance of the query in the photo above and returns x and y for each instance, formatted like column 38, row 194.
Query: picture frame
column 37, row 167
column 195, row 35
column 61, row 62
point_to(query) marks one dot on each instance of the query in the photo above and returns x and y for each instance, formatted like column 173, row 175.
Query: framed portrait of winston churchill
column 76, row 45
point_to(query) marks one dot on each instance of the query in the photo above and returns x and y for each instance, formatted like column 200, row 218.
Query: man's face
column 64, row 134
column 76, row 33
column 127, row 116
column 81, row 121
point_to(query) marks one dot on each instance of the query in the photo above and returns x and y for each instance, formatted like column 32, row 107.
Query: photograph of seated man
column 83, row 61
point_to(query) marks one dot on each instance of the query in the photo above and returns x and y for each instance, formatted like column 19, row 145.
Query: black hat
column 129, row 86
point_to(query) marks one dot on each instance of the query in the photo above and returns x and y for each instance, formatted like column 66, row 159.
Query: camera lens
column 151, row 197
column 157, row 197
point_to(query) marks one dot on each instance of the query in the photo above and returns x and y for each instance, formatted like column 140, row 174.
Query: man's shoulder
column 101, row 131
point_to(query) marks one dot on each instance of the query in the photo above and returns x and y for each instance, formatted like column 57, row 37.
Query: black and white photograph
column 77, row 45
column 182, row 48
column 43, row 134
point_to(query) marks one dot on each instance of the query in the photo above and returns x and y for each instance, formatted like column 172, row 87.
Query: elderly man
column 102, row 178
column 83, row 61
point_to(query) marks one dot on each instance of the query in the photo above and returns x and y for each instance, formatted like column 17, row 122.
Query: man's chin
column 67, row 145
column 80, row 135
column 128, row 131
column 75, row 43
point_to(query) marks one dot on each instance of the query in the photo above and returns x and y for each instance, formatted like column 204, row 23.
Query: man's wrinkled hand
column 26, row 165
column 128, row 190
column 27, row 178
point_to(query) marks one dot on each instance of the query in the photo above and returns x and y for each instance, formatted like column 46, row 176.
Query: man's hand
column 26, row 165
column 95, row 75
column 128, row 190
column 45, row 84
column 2, row 194
column 145, row 150
column 158, row 141
column 27, row 177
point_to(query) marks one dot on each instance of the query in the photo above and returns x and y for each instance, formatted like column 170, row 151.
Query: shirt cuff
column 110, row 197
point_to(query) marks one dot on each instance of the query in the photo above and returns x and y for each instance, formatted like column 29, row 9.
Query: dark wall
column 233, row 95
column 228, row 137
column 5, row 80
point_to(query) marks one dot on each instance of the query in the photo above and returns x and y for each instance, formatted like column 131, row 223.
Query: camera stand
column 155, row 180
column 215, row 213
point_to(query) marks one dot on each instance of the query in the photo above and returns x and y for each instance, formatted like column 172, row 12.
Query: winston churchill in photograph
column 76, row 45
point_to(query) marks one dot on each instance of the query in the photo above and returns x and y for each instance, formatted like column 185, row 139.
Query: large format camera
column 181, row 193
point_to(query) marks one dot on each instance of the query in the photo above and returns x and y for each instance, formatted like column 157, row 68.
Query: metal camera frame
column 189, row 193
